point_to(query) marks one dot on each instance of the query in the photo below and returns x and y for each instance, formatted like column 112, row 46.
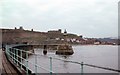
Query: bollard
column 35, row 63
column 50, row 65
column 81, row 68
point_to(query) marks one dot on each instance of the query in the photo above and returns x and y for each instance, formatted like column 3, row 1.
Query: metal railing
column 17, row 56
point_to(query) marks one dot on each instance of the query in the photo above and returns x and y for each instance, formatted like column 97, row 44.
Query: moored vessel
column 64, row 50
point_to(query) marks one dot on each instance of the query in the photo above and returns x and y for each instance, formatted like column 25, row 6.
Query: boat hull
column 64, row 50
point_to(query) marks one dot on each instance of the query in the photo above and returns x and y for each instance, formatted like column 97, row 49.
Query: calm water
column 100, row 55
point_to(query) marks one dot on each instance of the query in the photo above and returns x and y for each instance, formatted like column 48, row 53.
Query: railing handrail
column 74, row 61
column 80, row 63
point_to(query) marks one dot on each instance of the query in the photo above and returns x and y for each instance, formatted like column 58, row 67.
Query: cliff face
column 21, row 36
column 13, row 36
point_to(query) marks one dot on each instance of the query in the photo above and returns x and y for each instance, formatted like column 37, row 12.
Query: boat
column 64, row 49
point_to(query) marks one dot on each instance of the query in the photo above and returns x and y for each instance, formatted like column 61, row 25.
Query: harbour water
column 100, row 55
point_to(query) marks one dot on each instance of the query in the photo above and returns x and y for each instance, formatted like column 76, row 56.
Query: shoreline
column 91, row 45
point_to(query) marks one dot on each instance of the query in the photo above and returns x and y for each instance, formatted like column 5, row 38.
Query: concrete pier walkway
column 7, row 68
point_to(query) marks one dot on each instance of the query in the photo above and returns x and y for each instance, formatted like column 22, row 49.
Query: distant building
column 81, row 36
column 21, row 28
column 15, row 28
column 31, row 29
column 65, row 31
column 59, row 30
column 55, row 31
column 96, row 43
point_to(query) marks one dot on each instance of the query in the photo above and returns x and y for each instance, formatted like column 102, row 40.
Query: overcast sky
column 90, row 18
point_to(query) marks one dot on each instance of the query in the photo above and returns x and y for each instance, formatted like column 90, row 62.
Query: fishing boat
column 64, row 50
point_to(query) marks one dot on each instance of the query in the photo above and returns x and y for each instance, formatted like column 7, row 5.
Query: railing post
column 36, row 63
column 26, row 63
column 10, row 54
column 81, row 68
column 13, row 54
column 21, row 58
column 6, row 50
column 50, row 65
column 17, row 56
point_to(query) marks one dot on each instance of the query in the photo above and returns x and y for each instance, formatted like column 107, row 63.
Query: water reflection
column 64, row 56
column 98, row 55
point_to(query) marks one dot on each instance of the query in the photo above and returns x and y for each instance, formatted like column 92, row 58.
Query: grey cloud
column 95, row 18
